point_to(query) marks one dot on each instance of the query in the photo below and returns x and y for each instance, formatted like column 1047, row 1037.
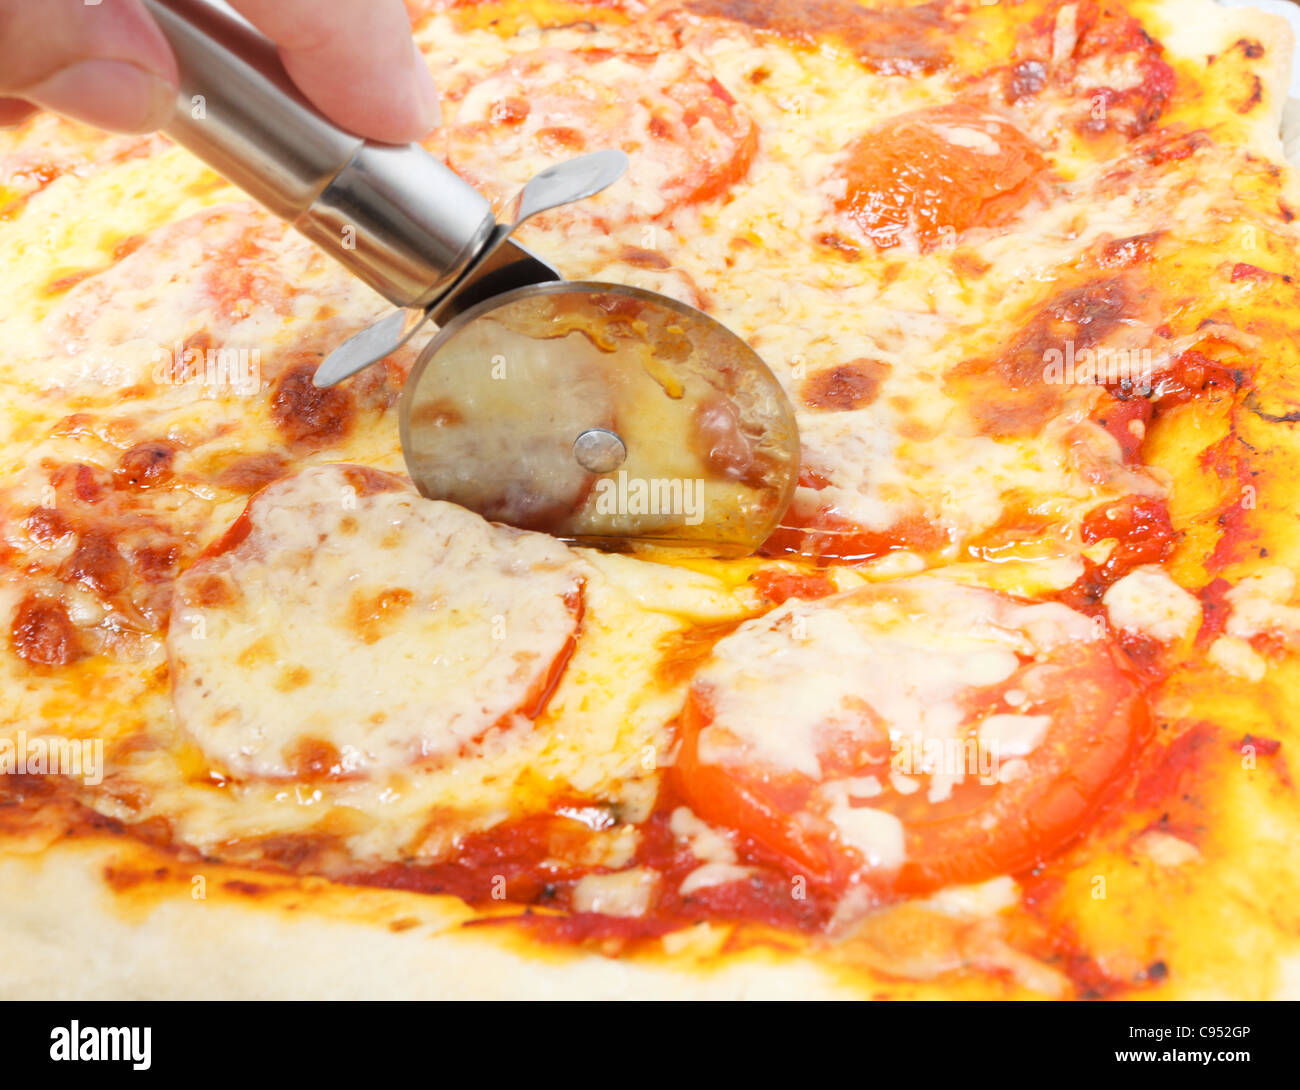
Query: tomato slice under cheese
column 345, row 626
column 910, row 734
column 226, row 279
column 933, row 174
column 687, row 138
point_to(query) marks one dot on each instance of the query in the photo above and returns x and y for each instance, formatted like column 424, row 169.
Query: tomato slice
column 688, row 140
column 421, row 629
column 936, row 173
column 909, row 735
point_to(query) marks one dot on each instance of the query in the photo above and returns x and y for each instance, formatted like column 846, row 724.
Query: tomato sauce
column 1144, row 535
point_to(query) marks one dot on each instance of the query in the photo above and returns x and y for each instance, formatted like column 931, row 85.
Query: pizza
column 1004, row 709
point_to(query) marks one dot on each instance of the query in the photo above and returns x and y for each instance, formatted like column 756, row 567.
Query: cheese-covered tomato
column 198, row 307
column 344, row 626
column 687, row 138
column 898, row 40
column 909, row 734
column 933, row 174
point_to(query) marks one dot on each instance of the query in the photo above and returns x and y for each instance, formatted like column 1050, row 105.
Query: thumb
column 104, row 62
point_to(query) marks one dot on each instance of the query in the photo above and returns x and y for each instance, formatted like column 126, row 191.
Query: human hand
column 105, row 62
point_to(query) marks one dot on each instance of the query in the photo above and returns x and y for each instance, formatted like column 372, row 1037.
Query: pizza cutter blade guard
column 599, row 413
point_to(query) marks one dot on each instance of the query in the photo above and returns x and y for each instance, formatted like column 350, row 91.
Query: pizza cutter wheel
column 602, row 414
column 596, row 412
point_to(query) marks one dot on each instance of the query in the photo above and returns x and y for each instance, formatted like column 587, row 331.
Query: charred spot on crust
column 43, row 634
column 852, row 385
column 147, row 463
column 95, row 563
column 1009, row 395
column 47, row 525
column 307, row 416
column 157, row 562
column 1254, row 98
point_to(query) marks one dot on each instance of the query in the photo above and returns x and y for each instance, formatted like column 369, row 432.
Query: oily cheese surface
column 1118, row 199
column 379, row 684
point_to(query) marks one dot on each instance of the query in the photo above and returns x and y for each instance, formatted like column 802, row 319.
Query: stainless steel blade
column 501, row 265
column 602, row 414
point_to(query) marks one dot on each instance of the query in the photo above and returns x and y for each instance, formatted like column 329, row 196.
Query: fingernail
column 430, row 106
column 112, row 95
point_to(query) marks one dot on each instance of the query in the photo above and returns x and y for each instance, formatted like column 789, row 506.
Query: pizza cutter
column 600, row 413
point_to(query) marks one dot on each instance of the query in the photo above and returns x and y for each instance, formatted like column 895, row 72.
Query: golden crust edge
column 1195, row 29
column 68, row 935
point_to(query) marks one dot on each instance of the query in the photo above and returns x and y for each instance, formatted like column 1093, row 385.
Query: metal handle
column 395, row 216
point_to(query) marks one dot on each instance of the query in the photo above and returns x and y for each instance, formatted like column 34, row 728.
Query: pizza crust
column 66, row 935
column 1198, row 29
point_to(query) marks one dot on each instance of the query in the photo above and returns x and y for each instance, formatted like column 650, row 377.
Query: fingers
column 103, row 63
column 108, row 64
column 14, row 111
column 354, row 59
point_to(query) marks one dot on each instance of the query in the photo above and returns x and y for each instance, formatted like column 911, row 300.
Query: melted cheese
column 1147, row 601
column 718, row 857
column 1013, row 735
column 623, row 893
column 907, row 650
column 390, row 628
column 1259, row 604
column 876, row 835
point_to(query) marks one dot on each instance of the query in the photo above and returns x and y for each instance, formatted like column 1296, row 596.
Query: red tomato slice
column 936, row 173
column 821, row 532
column 688, row 140
column 803, row 720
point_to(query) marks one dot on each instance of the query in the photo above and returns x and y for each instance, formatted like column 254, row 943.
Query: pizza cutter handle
column 395, row 216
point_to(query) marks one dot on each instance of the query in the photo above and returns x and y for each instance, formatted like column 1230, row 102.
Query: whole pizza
column 1003, row 709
